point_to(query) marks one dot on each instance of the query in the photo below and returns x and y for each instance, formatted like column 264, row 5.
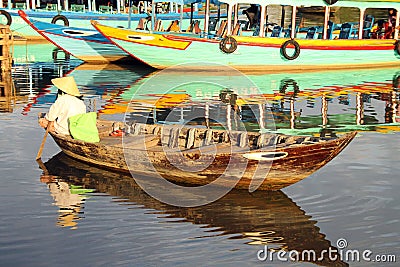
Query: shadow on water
column 260, row 218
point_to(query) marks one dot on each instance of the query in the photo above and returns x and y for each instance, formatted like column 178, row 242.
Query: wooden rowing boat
column 199, row 156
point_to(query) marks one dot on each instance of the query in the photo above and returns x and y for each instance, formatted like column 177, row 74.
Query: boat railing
column 105, row 9
column 20, row 6
column 51, row 7
column 78, row 8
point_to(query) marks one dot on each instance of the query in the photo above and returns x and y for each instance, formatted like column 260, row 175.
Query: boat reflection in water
column 99, row 83
column 259, row 218
column 301, row 103
column 8, row 97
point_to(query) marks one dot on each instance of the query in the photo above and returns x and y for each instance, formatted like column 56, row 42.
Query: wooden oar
column 42, row 166
column 49, row 126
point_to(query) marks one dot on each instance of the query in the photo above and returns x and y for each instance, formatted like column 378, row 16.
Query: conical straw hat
column 67, row 85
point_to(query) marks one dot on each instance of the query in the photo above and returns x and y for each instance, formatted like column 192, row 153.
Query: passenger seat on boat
column 311, row 33
column 194, row 27
column 345, row 30
column 212, row 25
column 141, row 24
column 174, row 26
column 368, row 23
column 236, row 30
column 276, row 31
column 158, row 27
column 221, row 32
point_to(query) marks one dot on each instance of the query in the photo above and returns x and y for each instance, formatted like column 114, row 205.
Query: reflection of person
column 68, row 103
column 69, row 203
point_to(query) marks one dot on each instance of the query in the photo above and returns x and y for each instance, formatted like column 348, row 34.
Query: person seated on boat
column 379, row 30
column 68, row 103
column 392, row 14
column 253, row 15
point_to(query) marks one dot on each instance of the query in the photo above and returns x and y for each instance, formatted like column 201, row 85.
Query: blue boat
column 85, row 44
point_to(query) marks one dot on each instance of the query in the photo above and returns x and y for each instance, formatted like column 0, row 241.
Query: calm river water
column 83, row 216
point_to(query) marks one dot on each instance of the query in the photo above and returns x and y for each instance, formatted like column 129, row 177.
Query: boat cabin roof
column 362, row 4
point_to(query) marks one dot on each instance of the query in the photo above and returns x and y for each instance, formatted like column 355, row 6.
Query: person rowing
column 68, row 103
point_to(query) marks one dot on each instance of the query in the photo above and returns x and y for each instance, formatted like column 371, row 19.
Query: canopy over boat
column 355, row 3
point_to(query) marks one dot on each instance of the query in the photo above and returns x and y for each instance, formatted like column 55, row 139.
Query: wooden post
column 6, row 42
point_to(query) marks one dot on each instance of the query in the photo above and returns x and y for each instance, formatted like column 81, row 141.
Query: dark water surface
column 83, row 216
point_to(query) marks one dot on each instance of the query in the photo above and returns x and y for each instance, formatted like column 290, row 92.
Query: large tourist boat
column 364, row 41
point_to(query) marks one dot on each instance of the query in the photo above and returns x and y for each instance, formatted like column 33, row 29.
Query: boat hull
column 300, row 162
column 85, row 44
column 163, row 50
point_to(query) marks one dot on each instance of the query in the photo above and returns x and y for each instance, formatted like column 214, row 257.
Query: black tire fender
column 60, row 17
column 7, row 15
column 330, row 2
column 228, row 45
column 296, row 47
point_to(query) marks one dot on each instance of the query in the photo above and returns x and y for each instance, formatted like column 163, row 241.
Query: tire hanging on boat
column 7, row 15
column 296, row 48
column 397, row 47
column 60, row 17
column 228, row 45
column 330, row 2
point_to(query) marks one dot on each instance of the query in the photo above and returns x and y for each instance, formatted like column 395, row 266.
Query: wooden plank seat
column 189, row 139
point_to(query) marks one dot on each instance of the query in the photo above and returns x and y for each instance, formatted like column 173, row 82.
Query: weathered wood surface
column 179, row 154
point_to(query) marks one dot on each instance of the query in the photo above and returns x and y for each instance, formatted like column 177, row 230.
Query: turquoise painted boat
column 85, row 44
column 266, row 53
